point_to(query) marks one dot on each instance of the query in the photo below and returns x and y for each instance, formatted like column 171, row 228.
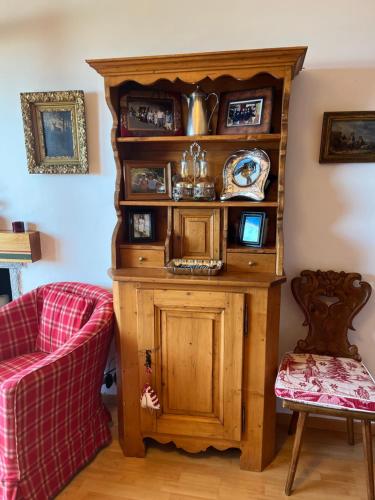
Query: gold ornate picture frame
column 55, row 132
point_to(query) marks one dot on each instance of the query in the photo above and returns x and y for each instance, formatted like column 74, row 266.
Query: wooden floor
column 329, row 469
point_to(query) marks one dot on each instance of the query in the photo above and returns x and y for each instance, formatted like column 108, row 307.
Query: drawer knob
column 251, row 263
column 141, row 259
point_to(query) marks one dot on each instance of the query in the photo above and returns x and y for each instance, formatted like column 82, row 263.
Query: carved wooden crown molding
column 239, row 64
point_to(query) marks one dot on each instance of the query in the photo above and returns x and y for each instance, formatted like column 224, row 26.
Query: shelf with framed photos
column 227, row 323
column 220, row 204
column 265, row 140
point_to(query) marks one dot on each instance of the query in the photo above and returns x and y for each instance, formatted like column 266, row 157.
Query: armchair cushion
column 63, row 314
column 326, row 381
column 15, row 366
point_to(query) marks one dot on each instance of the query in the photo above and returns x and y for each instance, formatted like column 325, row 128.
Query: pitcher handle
column 213, row 109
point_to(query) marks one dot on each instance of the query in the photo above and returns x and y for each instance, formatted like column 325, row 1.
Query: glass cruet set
column 194, row 183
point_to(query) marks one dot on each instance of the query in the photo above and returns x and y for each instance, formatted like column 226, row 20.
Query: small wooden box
column 20, row 247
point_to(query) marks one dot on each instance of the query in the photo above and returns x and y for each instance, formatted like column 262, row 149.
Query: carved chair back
column 329, row 301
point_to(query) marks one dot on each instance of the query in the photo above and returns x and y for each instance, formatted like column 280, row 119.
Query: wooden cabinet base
column 214, row 359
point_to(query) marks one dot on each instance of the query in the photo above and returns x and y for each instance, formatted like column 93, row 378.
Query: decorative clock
column 245, row 174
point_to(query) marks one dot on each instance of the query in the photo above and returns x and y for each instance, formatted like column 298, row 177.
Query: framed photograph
column 245, row 112
column 147, row 180
column 55, row 132
column 141, row 225
column 150, row 113
column 253, row 229
column 348, row 137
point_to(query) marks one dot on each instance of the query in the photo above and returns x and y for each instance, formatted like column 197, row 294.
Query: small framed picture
column 348, row 137
column 246, row 112
column 150, row 113
column 55, row 132
column 253, row 229
column 147, row 180
column 141, row 225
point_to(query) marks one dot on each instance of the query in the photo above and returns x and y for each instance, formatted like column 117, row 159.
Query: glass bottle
column 204, row 187
column 183, row 188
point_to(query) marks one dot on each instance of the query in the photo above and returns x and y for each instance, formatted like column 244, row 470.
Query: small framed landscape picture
column 348, row 137
column 245, row 112
column 147, row 180
column 55, row 132
column 253, row 229
column 150, row 113
column 141, row 225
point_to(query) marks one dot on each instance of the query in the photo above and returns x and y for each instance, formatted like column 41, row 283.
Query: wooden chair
column 324, row 374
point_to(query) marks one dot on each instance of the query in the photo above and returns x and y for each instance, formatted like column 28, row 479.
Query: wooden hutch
column 214, row 340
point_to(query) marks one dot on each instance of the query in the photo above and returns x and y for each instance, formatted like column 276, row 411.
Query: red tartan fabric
column 52, row 419
column 62, row 315
column 326, row 381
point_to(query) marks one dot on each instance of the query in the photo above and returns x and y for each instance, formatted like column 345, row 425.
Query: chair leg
column 367, row 448
column 293, row 423
column 350, row 430
column 296, row 451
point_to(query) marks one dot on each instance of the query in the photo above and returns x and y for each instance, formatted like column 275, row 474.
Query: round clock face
column 246, row 172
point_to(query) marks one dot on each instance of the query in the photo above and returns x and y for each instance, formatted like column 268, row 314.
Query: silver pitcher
column 197, row 122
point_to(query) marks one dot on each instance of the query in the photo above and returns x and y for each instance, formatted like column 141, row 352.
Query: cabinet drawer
column 131, row 257
column 251, row 262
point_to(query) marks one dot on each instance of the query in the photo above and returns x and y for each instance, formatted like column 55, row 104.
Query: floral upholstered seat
column 328, row 381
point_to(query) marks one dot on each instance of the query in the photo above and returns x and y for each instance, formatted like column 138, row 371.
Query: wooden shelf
column 274, row 138
column 243, row 249
column 225, row 279
column 155, row 245
column 208, row 204
column 20, row 247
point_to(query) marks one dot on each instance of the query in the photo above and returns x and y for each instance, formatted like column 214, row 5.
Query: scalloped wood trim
column 193, row 445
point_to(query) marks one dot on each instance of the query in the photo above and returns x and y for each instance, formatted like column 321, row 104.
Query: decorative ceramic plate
column 245, row 174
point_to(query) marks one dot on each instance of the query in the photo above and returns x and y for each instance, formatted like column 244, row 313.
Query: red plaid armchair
column 54, row 344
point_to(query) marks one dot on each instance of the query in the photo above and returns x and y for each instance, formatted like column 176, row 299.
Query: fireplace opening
column 5, row 287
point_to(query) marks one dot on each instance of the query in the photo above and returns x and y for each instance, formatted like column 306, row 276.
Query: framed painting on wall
column 348, row 137
column 55, row 132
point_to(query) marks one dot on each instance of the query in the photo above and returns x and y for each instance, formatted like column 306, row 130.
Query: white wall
column 328, row 218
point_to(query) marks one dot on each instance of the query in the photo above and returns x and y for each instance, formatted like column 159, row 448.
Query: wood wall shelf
column 264, row 138
column 20, row 247
column 199, row 204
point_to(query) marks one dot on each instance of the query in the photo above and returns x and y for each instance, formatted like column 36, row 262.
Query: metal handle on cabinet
column 141, row 259
column 251, row 263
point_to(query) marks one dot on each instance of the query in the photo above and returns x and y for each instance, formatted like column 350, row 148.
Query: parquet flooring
column 329, row 469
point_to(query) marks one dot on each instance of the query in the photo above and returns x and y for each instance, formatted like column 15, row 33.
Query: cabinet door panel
column 196, row 339
column 190, row 356
column 196, row 233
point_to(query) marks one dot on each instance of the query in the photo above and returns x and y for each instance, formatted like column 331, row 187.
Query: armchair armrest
column 18, row 326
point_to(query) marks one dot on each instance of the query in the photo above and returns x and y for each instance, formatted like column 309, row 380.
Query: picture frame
column 150, row 113
column 348, row 137
column 147, row 180
column 55, row 132
column 141, row 225
column 253, row 229
column 245, row 112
